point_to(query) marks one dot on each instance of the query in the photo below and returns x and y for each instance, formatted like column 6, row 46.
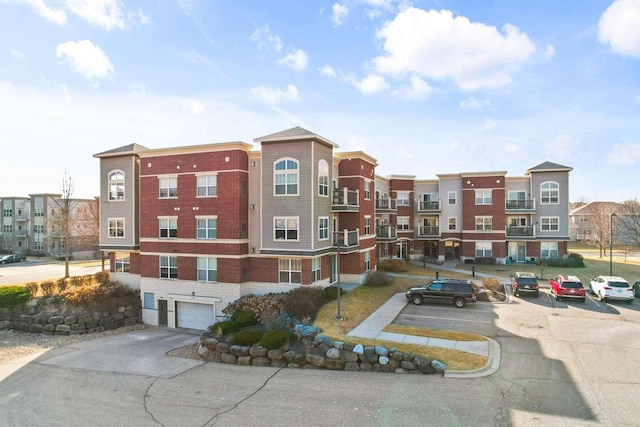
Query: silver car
column 611, row 287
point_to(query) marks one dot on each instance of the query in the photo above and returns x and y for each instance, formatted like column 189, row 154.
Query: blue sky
column 425, row 87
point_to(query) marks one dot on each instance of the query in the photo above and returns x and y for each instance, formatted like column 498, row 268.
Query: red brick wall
column 134, row 263
column 263, row 270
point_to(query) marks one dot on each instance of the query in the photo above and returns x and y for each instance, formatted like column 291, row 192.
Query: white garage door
column 194, row 316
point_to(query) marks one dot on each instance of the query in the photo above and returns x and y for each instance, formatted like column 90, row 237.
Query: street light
column 611, row 215
column 337, row 234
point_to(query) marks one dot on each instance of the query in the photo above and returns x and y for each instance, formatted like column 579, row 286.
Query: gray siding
column 561, row 209
column 126, row 209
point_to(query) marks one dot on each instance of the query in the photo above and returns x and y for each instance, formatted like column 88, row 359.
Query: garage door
column 194, row 316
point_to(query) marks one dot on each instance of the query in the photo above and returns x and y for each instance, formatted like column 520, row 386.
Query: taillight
column 537, row 287
column 606, row 288
column 473, row 296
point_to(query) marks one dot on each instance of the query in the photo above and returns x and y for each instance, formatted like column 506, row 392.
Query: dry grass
column 433, row 333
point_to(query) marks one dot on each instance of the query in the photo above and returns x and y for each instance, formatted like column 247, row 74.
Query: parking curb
column 492, row 366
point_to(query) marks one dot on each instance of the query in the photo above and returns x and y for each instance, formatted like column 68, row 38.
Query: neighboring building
column 196, row 227
column 14, row 236
column 588, row 218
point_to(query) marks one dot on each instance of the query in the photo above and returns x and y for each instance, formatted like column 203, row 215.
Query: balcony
column 347, row 240
column 520, row 231
column 386, row 233
column 386, row 205
column 520, row 206
column 428, row 231
column 429, row 207
column 345, row 200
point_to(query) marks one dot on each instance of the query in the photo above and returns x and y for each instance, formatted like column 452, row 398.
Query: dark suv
column 452, row 291
column 524, row 282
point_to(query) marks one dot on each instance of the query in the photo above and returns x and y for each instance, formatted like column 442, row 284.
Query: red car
column 567, row 287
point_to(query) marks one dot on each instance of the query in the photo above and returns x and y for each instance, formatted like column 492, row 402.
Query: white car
column 611, row 287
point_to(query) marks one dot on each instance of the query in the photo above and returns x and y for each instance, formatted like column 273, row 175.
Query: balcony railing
column 520, row 205
column 430, row 206
column 520, row 231
column 386, row 232
column 345, row 200
column 348, row 240
column 386, row 205
column 428, row 231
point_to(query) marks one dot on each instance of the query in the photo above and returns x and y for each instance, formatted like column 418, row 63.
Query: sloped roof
column 549, row 167
column 596, row 207
column 126, row 149
column 293, row 134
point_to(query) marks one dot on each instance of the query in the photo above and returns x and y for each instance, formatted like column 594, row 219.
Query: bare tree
column 629, row 230
column 595, row 229
column 62, row 218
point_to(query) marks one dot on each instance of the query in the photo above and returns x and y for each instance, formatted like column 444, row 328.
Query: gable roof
column 549, row 167
column 294, row 134
column 121, row 151
column 596, row 207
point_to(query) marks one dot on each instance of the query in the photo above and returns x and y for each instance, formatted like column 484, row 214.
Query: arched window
column 116, row 185
column 323, row 178
column 549, row 193
column 285, row 177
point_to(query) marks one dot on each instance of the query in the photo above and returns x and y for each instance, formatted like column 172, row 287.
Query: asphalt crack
column 146, row 409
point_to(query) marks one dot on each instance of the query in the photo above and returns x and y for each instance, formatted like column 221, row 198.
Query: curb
column 492, row 366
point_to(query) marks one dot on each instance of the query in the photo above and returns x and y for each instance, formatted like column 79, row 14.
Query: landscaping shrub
column 270, row 305
column 224, row 327
column 492, row 284
column 376, row 279
column 48, row 288
column 32, row 287
column 331, row 293
column 244, row 318
column 14, row 296
column 247, row 337
column 392, row 265
column 304, row 302
column 107, row 297
column 76, row 281
column 276, row 339
column 572, row 260
column 102, row 277
column 485, row 260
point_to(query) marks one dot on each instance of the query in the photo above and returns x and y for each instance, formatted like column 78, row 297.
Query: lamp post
column 611, row 215
column 337, row 234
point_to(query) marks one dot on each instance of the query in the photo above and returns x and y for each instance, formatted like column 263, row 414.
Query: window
column 367, row 190
column 403, row 223
column 7, row 228
column 290, row 270
column 452, row 222
column 286, row 177
column 207, row 269
column 123, row 262
column 549, row 249
column 452, row 197
column 549, row 192
column 483, row 197
column 168, row 227
column 402, row 198
column 207, row 186
column 483, row 223
column 168, row 267
column 367, row 261
column 549, row 223
column 285, row 228
column 116, row 227
column 38, row 212
column 7, row 212
column 367, row 225
column 168, row 187
column 207, row 228
column 315, row 269
column 38, row 228
column 323, row 178
column 116, row 185
column 149, row 300
column 483, row 250
column 323, row 228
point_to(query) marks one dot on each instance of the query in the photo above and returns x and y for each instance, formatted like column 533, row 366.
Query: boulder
column 228, row 358
column 439, row 366
column 358, row 349
column 306, row 330
column 334, row 364
column 275, row 354
column 258, row 352
column 333, row 353
column 383, row 360
column 261, row 361
column 381, row 351
column 317, row 361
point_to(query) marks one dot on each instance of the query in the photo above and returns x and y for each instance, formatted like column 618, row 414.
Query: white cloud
column 263, row 38
column 195, row 107
column 274, row 96
column 296, row 60
column 340, row 13
column 18, row 56
column 327, row 71
column 57, row 16
column 438, row 46
column 87, row 59
column 139, row 16
column 624, row 154
column 549, row 52
column 488, row 125
column 473, row 103
column 102, row 13
column 563, row 146
column 620, row 27
column 372, row 13
column 371, row 84
column 416, row 89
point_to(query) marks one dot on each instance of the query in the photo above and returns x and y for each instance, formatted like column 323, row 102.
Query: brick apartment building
column 196, row 227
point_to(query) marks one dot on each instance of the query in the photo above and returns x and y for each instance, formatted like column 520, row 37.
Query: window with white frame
column 285, row 177
column 168, row 187
column 207, row 228
column 549, row 193
column 483, row 197
column 549, row 249
column 323, row 228
column 452, row 196
column 207, row 269
column 323, row 178
column 549, row 223
column 483, row 250
column 168, row 227
column 367, row 261
column 402, row 198
column 207, row 186
column 115, row 183
column 285, row 228
column 7, row 228
column 367, row 190
column 123, row 262
column 148, row 300
column 452, row 222
column 367, row 225
column 168, row 267
column 484, row 223
column 290, row 270
column 116, row 227
column 315, row 269
column 403, row 223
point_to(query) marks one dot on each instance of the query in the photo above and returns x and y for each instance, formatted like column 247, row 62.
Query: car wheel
column 417, row 299
column 630, row 301
column 537, row 294
column 459, row 302
column 602, row 297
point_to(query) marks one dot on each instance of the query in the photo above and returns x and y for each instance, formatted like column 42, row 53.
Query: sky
column 425, row 87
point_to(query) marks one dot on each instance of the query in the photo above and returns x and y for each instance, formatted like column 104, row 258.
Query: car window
column 527, row 280
column 448, row 287
column 435, row 287
column 618, row 284
column 575, row 285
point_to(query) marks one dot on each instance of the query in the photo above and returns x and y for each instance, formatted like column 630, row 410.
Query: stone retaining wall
column 320, row 352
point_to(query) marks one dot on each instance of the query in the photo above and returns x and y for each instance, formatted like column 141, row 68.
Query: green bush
column 225, row 327
column 376, row 279
column 244, row 318
column 392, row 265
column 485, row 260
column 331, row 293
column 247, row 337
column 572, row 260
column 304, row 302
column 276, row 339
column 14, row 296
